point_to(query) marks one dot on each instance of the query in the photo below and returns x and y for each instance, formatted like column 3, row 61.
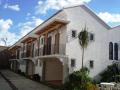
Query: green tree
column 83, row 41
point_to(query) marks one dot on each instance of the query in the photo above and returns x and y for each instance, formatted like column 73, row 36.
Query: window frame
column 93, row 37
column 111, row 51
column 91, row 64
column 115, row 51
column 73, row 33
column 73, row 62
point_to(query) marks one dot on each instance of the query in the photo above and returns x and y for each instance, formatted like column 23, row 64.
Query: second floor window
column 42, row 41
column 74, row 34
column 91, row 36
column 111, row 51
column 23, row 47
column 115, row 51
column 32, row 49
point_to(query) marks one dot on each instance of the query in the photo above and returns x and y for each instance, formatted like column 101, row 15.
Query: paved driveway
column 22, row 83
column 4, row 85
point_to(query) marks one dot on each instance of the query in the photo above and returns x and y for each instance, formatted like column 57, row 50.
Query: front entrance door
column 30, row 68
column 53, row 71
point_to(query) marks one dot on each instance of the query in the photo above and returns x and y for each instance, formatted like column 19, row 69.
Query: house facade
column 52, row 49
column 4, row 57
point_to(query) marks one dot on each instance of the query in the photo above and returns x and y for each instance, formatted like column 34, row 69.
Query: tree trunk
column 82, row 57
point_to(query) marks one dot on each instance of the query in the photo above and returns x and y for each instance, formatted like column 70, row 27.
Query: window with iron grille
column 73, row 62
column 91, row 63
column 33, row 50
column 91, row 37
column 111, row 51
column 74, row 34
column 115, row 51
column 42, row 41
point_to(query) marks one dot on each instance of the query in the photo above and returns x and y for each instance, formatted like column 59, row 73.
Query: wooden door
column 53, row 70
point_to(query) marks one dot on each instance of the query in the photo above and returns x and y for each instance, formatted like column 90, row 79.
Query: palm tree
column 83, row 41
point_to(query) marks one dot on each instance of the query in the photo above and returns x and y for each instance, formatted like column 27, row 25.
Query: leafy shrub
column 79, row 80
column 111, row 74
column 91, row 86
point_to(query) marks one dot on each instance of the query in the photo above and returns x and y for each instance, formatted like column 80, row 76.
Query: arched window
column 116, row 51
column 111, row 51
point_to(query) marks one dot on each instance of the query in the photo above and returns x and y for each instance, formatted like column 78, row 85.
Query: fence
column 115, row 87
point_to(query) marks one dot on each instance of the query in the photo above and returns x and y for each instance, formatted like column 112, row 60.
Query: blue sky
column 18, row 17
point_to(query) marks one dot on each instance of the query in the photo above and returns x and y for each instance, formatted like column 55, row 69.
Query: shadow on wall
column 4, row 59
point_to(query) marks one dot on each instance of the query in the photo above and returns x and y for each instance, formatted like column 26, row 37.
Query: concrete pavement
column 22, row 83
column 4, row 85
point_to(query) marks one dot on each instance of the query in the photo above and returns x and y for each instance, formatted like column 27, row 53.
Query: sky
column 18, row 17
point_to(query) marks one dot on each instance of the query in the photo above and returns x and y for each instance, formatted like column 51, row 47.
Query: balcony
column 23, row 55
column 45, row 50
column 26, row 54
column 50, row 50
column 14, row 56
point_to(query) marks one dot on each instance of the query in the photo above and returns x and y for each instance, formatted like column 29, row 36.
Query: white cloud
column 24, row 28
column 109, row 17
column 29, row 25
column 5, row 25
column 12, row 7
column 44, row 6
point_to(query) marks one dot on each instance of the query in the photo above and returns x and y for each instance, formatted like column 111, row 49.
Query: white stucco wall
column 22, row 66
column 39, row 67
column 97, row 50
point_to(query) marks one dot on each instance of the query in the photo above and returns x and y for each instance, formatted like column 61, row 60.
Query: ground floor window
column 91, row 63
column 115, row 51
column 73, row 62
column 111, row 51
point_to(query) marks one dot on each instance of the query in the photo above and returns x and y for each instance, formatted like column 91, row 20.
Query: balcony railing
column 45, row 50
column 50, row 50
column 28, row 53
column 23, row 55
column 14, row 56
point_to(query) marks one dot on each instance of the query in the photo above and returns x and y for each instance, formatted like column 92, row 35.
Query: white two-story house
column 52, row 49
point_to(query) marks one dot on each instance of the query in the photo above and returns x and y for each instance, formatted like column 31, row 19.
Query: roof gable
column 90, row 12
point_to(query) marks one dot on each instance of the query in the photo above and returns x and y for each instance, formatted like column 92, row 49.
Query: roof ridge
column 91, row 12
column 73, row 6
column 115, row 27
